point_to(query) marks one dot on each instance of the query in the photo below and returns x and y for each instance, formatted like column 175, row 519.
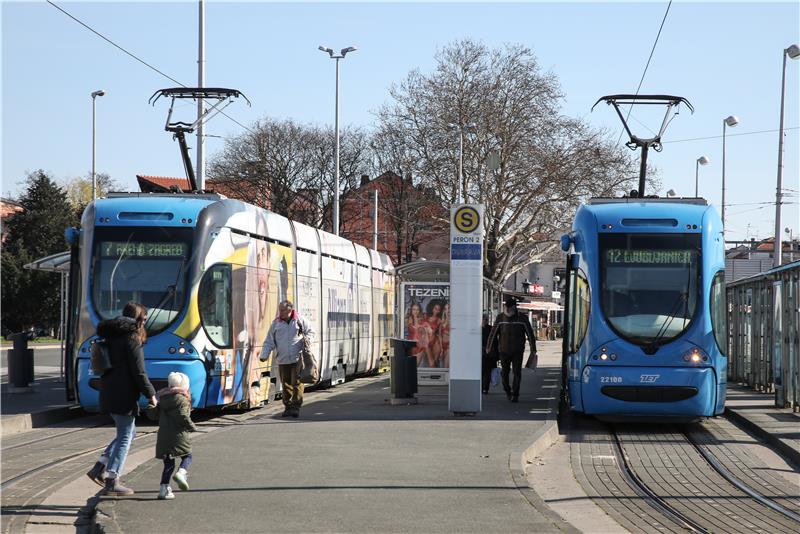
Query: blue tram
column 645, row 318
column 211, row 272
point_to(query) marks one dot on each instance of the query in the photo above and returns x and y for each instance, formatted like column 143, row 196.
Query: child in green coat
column 174, row 425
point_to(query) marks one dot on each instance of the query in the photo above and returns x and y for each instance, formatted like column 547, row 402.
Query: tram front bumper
column 649, row 391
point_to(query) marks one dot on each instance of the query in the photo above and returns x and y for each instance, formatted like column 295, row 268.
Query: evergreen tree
column 31, row 298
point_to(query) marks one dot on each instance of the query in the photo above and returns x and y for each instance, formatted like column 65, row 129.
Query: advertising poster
column 426, row 320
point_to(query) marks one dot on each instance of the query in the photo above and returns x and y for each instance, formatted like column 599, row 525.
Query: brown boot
column 95, row 474
column 115, row 488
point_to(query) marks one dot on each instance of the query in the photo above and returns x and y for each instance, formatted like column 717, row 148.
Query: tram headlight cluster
column 181, row 349
column 605, row 356
column 695, row 356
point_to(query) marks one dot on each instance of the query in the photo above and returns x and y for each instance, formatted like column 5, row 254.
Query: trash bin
column 404, row 369
column 20, row 361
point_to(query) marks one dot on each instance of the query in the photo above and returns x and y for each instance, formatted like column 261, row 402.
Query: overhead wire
column 652, row 51
column 134, row 56
column 727, row 135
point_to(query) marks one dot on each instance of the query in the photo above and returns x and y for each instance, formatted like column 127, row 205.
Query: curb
column 15, row 424
column 785, row 450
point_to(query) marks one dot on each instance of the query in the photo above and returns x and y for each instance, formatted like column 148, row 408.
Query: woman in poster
column 419, row 331
column 434, row 322
column 257, row 313
column 444, row 335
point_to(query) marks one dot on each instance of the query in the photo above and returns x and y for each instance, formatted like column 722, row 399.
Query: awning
column 58, row 263
column 540, row 305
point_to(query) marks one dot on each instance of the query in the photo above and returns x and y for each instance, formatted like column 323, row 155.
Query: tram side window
column 579, row 309
column 215, row 305
column 719, row 323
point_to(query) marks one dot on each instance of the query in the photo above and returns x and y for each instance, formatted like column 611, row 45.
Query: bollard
column 404, row 371
column 20, row 361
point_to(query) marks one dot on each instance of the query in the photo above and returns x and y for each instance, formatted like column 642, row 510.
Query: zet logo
column 466, row 219
column 648, row 378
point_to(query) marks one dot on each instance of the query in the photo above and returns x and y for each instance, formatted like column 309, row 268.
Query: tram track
column 645, row 492
column 4, row 485
column 677, row 505
column 727, row 475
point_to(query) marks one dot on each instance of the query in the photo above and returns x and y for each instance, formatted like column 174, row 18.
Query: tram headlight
column 181, row 350
column 695, row 357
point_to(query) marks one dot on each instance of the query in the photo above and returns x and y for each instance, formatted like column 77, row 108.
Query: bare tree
column 289, row 167
column 549, row 163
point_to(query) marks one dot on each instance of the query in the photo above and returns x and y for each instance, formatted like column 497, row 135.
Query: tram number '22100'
column 610, row 379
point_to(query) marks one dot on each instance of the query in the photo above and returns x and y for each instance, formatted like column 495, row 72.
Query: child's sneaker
column 180, row 478
column 165, row 492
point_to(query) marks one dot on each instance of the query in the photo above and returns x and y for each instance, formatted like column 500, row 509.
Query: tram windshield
column 146, row 265
column 650, row 284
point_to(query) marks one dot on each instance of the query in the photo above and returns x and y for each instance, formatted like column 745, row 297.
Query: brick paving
column 664, row 459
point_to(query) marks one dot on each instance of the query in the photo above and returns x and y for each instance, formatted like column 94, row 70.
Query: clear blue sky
column 724, row 57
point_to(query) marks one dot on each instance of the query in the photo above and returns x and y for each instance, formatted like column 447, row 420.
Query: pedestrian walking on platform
column 286, row 338
column 174, row 425
column 489, row 359
column 120, row 388
column 512, row 328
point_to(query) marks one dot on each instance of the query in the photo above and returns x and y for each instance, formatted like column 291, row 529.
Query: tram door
column 575, row 326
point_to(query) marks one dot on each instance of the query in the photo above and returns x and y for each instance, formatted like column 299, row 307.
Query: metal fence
column 763, row 319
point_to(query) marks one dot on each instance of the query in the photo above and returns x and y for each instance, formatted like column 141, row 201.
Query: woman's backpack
column 101, row 357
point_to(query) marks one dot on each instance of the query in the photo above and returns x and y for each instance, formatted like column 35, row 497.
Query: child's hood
column 172, row 398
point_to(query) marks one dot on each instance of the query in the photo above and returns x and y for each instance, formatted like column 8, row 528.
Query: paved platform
column 355, row 463
column 42, row 403
column 757, row 413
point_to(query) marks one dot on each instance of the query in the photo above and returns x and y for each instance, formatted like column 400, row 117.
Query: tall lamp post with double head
column 702, row 160
column 94, row 174
column 333, row 55
column 461, row 128
column 792, row 52
column 731, row 120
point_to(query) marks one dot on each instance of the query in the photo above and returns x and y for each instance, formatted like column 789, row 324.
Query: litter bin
column 404, row 369
column 20, row 361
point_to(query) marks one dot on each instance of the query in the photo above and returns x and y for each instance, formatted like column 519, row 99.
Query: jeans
column 118, row 449
column 509, row 361
column 169, row 466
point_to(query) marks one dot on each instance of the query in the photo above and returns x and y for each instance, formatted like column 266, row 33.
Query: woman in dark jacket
column 120, row 388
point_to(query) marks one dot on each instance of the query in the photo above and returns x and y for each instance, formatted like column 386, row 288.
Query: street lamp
column 731, row 121
column 793, row 52
column 702, row 160
column 94, row 174
column 460, row 129
column 332, row 54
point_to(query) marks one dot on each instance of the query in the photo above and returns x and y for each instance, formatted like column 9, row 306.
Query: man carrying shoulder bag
column 288, row 336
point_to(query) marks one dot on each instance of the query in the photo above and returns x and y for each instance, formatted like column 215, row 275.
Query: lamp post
column 731, row 121
column 343, row 52
column 702, row 160
column 460, row 129
column 94, row 175
column 793, row 52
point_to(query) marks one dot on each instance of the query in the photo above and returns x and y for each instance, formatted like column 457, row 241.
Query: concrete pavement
column 354, row 463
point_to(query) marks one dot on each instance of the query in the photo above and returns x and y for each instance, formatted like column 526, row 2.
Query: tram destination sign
column 649, row 256
column 161, row 249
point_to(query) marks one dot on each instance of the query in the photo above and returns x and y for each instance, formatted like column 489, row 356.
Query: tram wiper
column 171, row 292
column 653, row 346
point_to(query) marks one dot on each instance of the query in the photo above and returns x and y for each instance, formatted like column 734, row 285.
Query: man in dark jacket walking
column 512, row 329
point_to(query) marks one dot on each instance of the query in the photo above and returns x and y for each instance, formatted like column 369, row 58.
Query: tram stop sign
column 466, row 304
